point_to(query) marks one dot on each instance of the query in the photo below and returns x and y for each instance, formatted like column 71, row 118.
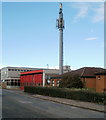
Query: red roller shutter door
column 27, row 80
column 41, row 79
column 24, row 79
column 30, row 79
column 34, row 79
column 38, row 78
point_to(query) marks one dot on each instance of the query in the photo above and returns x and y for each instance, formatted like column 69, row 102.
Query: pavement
column 75, row 103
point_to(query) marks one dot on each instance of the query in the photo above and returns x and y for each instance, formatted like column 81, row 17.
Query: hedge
column 70, row 94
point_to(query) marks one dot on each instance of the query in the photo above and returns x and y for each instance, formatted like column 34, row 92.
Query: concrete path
column 86, row 105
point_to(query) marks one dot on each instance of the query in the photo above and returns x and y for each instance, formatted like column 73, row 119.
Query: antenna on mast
column 61, row 5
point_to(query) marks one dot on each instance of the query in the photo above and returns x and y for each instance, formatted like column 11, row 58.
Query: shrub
column 71, row 81
column 70, row 94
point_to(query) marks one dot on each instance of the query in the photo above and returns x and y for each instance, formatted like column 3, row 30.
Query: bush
column 70, row 94
column 71, row 81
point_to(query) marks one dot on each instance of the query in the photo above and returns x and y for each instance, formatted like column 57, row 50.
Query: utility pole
column 60, row 26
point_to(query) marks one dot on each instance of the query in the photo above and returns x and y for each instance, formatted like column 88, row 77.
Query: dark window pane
column 18, row 83
column 12, row 83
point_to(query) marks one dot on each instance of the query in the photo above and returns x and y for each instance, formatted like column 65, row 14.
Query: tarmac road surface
column 17, row 104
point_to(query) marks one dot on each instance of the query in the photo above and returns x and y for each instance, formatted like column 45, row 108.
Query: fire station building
column 39, row 78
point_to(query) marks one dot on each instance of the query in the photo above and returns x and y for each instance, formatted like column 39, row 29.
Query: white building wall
column 13, row 72
column 43, row 78
column 51, row 71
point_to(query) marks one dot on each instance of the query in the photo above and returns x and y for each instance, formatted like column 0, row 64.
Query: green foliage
column 69, row 94
column 71, row 81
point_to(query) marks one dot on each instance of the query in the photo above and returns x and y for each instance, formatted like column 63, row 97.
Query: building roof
column 85, row 71
column 101, row 73
column 90, row 71
column 8, row 67
column 31, row 72
column 46, row 71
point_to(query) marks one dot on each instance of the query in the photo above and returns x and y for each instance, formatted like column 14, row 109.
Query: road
column 17, row 104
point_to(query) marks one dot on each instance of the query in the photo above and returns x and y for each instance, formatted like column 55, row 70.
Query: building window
column 9, row 69
column 12, row 83
column 48, row 82
column 98, row 77
column 58, row 83
column 15, row 83
column 8, row 83
column 52, row 82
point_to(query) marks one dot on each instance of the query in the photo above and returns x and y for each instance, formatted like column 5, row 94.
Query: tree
column 71, row 81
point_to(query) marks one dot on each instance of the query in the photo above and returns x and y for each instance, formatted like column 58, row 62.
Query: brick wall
column 89, row 82
column 100, row 83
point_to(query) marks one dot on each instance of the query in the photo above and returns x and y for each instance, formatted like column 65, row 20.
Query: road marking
column 24, row 101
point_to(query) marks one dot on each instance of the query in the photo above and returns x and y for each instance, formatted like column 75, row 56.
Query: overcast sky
column 30, row 37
